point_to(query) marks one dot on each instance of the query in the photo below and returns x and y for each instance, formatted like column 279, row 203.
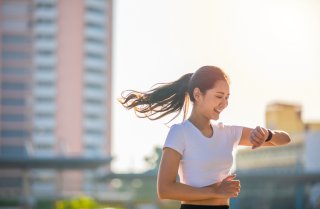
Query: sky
column 270, row 49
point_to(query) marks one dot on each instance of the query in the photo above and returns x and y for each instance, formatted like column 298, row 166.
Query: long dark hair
column 166, row 98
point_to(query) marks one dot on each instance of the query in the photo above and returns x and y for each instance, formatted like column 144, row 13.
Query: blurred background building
column 292, row 158
column 55, row 90
column 284, row 176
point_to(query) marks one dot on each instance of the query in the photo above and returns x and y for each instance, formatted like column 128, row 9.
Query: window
column 96, row 11
column 44, row 5
column 43, row 147
column 11, row 150
column 96, row 56
column 44, row 115
column 44, row 37
column 15, row 55
column 44, row 22
column 96, row 71
column 95, row 26
column 11, row 7
column 14, row 86
column 95, row 86
column 45, row 52
column 45, row 68
column 94, row 101
column 15, row 39
column 45, row 84
column 14, row 133
column 15, row 25
column 15, row 70
column 95, row 41
column 45, row 100
column 93, row 116
column 10, row 182
column 94, row 132
column 13, row 101
column 13, row 117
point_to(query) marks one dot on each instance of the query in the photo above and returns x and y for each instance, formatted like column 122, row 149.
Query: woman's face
column 214, row 100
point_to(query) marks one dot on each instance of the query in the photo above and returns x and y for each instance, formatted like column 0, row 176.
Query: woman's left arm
column 257, row 137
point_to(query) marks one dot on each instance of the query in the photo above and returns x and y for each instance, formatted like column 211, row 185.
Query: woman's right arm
column 169, row 188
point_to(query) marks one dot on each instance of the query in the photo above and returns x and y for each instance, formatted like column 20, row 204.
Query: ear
column 197, row 94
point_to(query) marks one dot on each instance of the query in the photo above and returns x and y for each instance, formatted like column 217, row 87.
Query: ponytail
column 166, row 98
column 163, row 99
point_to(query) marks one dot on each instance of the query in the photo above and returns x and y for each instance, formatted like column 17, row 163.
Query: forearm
column 279, row 138
column 183, row 192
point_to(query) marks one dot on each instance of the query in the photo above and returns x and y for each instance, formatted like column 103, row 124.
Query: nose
column 224, row 103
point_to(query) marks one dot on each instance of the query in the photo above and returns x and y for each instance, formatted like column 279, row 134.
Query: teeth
column 218, row 110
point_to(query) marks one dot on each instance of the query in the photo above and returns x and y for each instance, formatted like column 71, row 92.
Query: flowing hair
column 163, row 99
column 167, row 98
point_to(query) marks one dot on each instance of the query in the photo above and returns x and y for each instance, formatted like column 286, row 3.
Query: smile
column 218, row 110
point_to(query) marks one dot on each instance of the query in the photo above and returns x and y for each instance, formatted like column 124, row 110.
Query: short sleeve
column 175, row 139
column 236, row 132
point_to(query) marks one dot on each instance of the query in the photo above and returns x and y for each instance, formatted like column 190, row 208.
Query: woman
column 199, row 151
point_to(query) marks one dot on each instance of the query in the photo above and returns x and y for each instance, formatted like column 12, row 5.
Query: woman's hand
column 228, row 187
column 258, row 136
column 169, row 188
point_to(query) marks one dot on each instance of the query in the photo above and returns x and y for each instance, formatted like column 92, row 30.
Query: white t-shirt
column 204, row 160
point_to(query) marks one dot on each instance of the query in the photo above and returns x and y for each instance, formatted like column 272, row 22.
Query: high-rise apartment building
column 55, row 93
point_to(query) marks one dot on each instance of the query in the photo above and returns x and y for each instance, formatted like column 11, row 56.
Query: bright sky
column 270, row 49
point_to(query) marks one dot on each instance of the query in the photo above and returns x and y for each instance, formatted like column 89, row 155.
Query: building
column 289, row 158
column 55, row 89
column 285, row 117
column 137, row 190
column 285, row 175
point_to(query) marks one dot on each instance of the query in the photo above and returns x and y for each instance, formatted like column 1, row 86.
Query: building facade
column 285, row 175
column 289, row 158
column 55, row 88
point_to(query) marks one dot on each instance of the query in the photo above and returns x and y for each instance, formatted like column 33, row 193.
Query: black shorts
column 188, row 206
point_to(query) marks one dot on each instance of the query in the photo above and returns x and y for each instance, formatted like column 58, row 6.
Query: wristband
column 269, row 135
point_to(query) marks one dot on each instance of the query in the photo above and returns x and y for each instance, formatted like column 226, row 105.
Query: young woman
column 197, row 150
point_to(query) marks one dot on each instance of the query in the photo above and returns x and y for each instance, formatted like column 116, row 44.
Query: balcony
column 95, row 18
column 45, row 107
column 45, row 29
column 95, row 109
column 45, row 92
column 97, row 64
column 45, row 14
column 45, row 60
column 97, row 124
column 96, row 48
column 49, row 76
column 44, row 124
column 40, row 138
column 97, row 34
column 95, row 78
column 97, row 4
column 45, row 45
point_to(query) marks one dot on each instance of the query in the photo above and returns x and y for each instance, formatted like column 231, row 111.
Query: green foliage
column 81, row 203
column 45, row 204
column 4, row 202
column 77, row 203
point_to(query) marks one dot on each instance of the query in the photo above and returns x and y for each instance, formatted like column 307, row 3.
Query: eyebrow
column 221, row 93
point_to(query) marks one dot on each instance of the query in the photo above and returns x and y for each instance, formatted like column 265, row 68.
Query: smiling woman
column 265, row 45
column 174, row 96
column 200, row 152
